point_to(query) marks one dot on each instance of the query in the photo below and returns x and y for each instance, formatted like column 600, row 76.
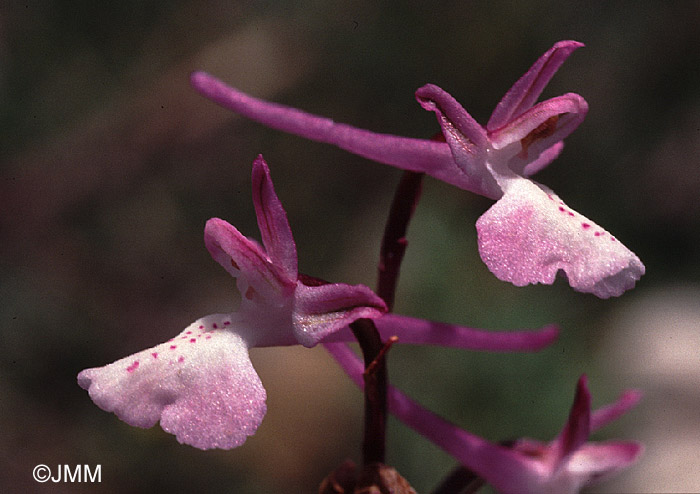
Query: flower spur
column 529, row 235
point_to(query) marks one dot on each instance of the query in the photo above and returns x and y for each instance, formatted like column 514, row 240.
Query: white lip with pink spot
column 563, row 208
column 168, row 346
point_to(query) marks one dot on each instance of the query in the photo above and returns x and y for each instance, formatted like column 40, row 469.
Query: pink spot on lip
column 226, row 323
column 155, row 354
column 193, row 340
column 133, row 367
column 585, row 226
column 613, row 239
column 561, row 208
column 181, row 359
column 208, row 337
column 598, row 234
column 173, row 347
column 188, row 332
column 215, row 326
column 570, row 213
column 201, row 326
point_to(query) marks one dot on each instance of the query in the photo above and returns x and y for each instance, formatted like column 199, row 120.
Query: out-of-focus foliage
column 111, row 165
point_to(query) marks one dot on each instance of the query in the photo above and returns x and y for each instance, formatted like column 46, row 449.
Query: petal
column 577, row 429
column 325, row 309
column 604, row 415
column 525, row 138
column 246, row 260
column 272, row 221
column 530, row 234
column 525, row 92
column 542, row 161
column 419, row 155
column 200, row 385
column 505, row 469
column 466, row 138
column 422, row 332
column 595, row 461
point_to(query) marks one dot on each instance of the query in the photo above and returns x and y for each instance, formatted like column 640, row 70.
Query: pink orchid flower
column 201, row 385
column 563, row 466
column 529, row 235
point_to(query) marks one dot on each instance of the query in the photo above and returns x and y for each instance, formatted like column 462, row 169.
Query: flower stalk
column 373, row 349
column 394, row 242
column 375, row 378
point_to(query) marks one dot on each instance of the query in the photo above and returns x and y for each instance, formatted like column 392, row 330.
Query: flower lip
column 185, row 384
column 530, row 235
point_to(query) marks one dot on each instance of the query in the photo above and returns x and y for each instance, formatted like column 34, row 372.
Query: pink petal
column 604, row 415
column 595, row 461
column 528, row 88
column 466, row 138
column 246, row 260
column 201, row 386
column 526, row 137
column 541, row 162
column 325, row 309
column 272, row 221
column 577, row 429
column 422, row 332
column 530, row 234
column 419, row 155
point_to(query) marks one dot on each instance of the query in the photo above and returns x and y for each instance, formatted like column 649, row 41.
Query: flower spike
column 529, row 235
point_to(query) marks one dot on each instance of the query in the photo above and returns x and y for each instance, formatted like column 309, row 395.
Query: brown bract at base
column 375, row 478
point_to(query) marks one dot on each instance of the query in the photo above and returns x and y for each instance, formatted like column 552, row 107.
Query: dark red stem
column 373, row 349
column 373, row 445
column 394, row 241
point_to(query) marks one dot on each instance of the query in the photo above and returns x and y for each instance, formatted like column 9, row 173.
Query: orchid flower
column 529, row 235
column 201, row 384
column 563, row 466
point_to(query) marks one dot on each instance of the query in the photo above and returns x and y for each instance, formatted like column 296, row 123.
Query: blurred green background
column 111, row 164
